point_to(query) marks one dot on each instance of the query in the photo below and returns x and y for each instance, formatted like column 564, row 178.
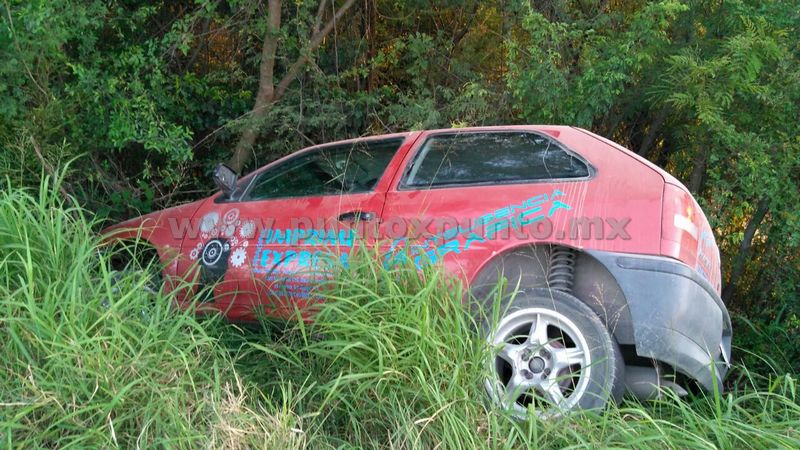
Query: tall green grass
column 80, row 364
column 392, row 360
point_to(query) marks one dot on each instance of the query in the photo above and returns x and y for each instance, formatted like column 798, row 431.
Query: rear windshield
column 499, row 157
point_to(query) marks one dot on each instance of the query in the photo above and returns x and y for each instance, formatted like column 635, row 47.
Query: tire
column 568, row 362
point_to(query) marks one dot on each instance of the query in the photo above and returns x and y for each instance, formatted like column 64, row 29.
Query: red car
column 618, row 270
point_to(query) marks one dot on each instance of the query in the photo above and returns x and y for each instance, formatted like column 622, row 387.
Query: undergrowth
column 391, row 360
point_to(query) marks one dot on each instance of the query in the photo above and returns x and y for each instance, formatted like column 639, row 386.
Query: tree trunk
column 372, row 33
column 266, row 88
column 268, row 92
column 652, row 131
column 744, row 248
column 698, row 175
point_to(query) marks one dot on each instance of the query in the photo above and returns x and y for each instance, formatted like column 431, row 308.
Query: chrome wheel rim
column 539, row 359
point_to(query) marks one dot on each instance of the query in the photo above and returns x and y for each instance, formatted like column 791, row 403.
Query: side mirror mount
column 225, row 179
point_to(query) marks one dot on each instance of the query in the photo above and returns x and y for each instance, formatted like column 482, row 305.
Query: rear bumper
column 677, row 317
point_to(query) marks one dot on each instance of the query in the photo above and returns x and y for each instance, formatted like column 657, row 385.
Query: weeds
column 392, row 360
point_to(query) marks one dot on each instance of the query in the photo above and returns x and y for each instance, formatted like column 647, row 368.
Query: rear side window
column 491, row 158
column 340, row 169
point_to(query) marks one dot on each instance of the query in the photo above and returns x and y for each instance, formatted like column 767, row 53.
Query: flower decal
column 228, row 230
column 232, row 216
column 209, row 222
column 247, row 230
column 238, row 257
column 223, row 242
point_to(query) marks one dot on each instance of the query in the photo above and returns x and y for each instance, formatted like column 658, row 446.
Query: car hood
column 158, row 227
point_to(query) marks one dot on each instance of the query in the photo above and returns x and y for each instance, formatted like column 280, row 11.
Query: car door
column 464, row 195
column 291, row 221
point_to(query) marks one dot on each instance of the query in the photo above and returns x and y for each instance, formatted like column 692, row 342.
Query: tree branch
column 320, row 14
column 19, row 51
column 266, row 87
column 653, row 130
column 697, row 177
column 314, row 43
column 268, row 93
column 744, row 248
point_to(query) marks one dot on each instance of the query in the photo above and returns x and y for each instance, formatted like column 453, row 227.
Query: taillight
column 679, row 233
column 686, row 234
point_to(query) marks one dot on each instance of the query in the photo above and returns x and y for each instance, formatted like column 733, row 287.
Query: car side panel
column 621, row 190
column 276, row 249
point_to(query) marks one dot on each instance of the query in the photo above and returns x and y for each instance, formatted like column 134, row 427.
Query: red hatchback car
column 615, row 270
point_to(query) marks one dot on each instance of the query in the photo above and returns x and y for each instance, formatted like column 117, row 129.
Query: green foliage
column 85, row 74
column 575, row 71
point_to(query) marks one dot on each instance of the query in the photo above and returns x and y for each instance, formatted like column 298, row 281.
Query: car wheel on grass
column 550, row 354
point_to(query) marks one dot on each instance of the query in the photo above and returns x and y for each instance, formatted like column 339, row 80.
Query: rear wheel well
column 528, row 266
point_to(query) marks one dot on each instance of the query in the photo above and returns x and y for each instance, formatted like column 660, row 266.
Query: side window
column 497, row 157
column 333, row 170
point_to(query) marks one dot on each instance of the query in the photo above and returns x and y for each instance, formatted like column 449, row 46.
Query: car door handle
column 353, row 216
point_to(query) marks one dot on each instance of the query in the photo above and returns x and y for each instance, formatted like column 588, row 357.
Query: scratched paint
column 228, row 238
column 515, row 216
